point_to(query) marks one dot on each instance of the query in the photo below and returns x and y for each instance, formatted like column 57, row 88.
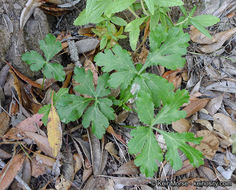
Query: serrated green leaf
column 118, row 21
column 102, row 84
column 149, row 152
column 170, row 111
column 50, row 46
column 85, row 80
column 46, row 109
column 169, row 3
column 171, row 51
column 34, row 59
column 134, row 29
column 156, row 86
column 103, row 42
column 118, row 60
column 54, row 70
column 115, row 6
column 157, row 36
column 71, row 107
column 200, row 28
column 175, row 141
column 98, row 120
column 151, row 6
column 205, row 20
column 145, row 107
column 86, row 18
column 105, row 107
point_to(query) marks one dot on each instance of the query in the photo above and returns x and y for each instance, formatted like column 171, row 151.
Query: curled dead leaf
column 4, row 124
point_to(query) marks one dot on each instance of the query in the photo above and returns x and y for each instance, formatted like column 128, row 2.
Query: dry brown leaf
column 4, row 123
column 88, row 64
column 10, row 170
column 181, row 125
column 63, row 184
column 220, row 39
column 214, row 104
column 209, row 144
column 87, row 173
column 205, row 123
column 111, row 131
column 224, row 123
column 38, row 168
column 186, row 168
column 14, row 134
column 110, row 147
column 207, row 173
column 195, row 106
column 31, row 124
column 4, row 155
column 17, row 85
column 78, row 163
column 41, row 141
column 174, row 77
column 128, row 168
column 54, row 130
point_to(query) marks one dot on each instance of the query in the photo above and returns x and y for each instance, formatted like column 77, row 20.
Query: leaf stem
column 144, row 10
column 133, row 12
column 182, row 22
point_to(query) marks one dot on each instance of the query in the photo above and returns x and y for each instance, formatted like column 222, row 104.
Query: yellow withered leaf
column 54, row 130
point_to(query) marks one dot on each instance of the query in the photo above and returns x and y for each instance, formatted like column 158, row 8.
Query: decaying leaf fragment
column 54, row 130
column 10, row 170
column 209, row 144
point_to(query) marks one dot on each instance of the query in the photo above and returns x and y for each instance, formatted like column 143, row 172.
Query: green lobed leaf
column 200, row 28
column 145, row 107
column 157, row 36
column 85, row 80
column 134, row 29
column 171, row 104
column 151, row 6
column 156, row 86
column 102, row 84
column 54, row 70
column 118, row 21
column 205, row 20
column 71, row 107
column 175, row 141
column 149, row 152
column 34, row 59
column 118, row 60
column 98, row 120
column 50, row 46
column 115, row 6
column 170, row 53
column 46, row 109
column 169, row 3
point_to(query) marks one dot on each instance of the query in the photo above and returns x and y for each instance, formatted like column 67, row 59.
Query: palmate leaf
column 118, row 60
column 100, row 112
column 170, row 53
column 148, row 151
column 71, row 107
column 34, row 59
column 175, row 141
column 55, row 71
column 50, row 46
